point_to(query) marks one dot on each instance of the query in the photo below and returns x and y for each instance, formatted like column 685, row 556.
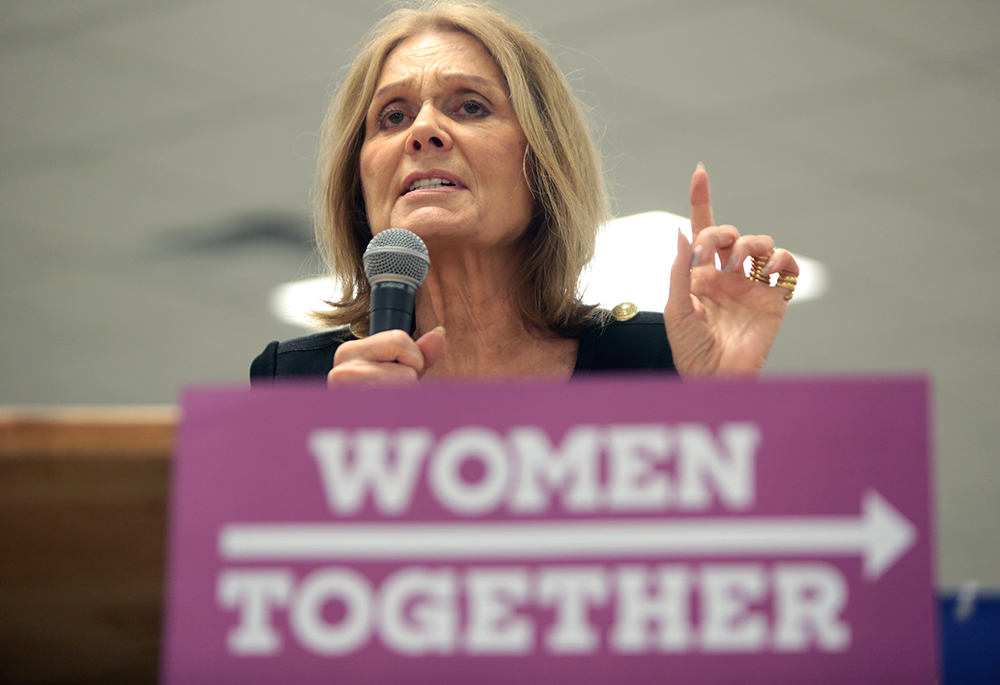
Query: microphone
column 396, row 262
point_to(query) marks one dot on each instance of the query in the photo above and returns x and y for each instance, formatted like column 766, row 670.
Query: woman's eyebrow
column 479, row 81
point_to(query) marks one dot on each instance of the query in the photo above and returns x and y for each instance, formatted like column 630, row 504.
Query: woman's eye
column 473, row 108
column 391, row 119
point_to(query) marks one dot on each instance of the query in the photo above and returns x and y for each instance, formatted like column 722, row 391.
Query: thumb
column 432, row 345
column 679, row 300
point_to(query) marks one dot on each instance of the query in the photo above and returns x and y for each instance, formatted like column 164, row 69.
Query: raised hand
column 386, row 357
column 719, row 322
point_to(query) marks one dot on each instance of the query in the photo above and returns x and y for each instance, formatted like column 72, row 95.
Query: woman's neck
column 475, row 297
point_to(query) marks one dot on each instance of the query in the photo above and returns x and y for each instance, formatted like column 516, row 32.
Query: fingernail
column 700, row 167
column 439, row 328
column 768, row 268
column 699, row 252
column 730, row 264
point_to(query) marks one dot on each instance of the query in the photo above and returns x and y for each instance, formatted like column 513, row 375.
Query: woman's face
column 444, row 154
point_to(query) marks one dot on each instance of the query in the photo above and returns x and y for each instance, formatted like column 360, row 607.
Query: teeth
column 422, row 183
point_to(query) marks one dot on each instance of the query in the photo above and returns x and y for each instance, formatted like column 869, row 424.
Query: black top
column 639, row 343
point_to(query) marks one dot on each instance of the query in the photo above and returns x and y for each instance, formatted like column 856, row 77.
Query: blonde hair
column 562, row 165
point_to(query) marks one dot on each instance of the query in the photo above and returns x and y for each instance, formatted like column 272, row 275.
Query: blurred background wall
column 157, row 158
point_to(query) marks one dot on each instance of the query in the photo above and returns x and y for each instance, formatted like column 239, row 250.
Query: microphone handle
column 392, row 306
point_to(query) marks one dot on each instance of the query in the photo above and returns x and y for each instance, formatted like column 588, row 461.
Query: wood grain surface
column 83, row 511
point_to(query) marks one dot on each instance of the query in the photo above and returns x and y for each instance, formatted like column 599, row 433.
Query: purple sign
column 609, row 530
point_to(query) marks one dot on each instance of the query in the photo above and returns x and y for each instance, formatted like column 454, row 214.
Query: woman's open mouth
column 427, row 183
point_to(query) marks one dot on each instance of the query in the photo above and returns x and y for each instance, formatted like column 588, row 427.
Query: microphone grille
column 396, row 252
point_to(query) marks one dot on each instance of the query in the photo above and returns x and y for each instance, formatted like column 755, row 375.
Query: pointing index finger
column 701, row 201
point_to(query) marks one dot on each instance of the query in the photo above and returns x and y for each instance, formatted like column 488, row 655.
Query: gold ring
column 787, row 282
column 757, row 265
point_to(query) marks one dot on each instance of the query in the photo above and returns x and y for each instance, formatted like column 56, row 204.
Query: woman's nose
column 427, row 132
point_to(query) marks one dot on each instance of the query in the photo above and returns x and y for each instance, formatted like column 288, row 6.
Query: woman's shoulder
column 308, row 356
column 625, row 339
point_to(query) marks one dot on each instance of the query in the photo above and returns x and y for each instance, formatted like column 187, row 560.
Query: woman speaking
column 455, row 124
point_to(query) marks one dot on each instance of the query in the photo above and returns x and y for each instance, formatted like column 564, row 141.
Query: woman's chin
column 434, row 222
column 441, row 228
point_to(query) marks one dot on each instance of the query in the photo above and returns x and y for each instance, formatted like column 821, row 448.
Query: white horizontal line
column 881, row 535
column 570, row 539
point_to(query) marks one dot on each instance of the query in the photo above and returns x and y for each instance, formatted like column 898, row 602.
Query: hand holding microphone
column 396, row 262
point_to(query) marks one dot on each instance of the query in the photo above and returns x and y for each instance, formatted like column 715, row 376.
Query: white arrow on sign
column 881, row 534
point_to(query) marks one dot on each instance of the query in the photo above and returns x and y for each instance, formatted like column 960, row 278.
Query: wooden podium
column 83, row 522
column 83, row 512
